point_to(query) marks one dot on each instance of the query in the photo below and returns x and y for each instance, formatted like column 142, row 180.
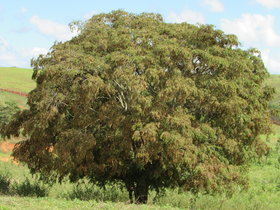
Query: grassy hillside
column 16, row 79
column 274, row 81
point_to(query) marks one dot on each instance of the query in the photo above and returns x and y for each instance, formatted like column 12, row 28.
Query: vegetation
column 263, row 192
column 16, row 74
column 4, row 183
column 6, row 114
column 153, row 105
column 15, row 79
column 274, row 104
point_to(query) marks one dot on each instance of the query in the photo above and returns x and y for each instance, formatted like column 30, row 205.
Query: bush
column 6, row 114
column 28, row 188
column 5, row 181
column 84, row 191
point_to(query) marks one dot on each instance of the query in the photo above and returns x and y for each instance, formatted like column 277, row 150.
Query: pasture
column 15, row 79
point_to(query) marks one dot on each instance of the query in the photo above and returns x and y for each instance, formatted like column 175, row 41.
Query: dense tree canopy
column 147, row 103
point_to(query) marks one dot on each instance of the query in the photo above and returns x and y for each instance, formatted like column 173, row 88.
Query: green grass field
column 16, row 79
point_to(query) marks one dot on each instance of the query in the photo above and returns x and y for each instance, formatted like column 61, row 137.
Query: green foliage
column 19, row 100
column 150, row 104
column 27, row 187
column 5, row 181
column 274, row 104
column 7, row 111
column 274, row 81
column 86, row 191
column 6, row 114
column 30, row 188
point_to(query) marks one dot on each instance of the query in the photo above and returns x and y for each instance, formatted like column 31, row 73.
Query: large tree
column 148, row 103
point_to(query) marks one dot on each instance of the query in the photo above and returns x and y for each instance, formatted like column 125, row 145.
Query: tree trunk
column 130, row 189
column 141, row 192
column 130, row 196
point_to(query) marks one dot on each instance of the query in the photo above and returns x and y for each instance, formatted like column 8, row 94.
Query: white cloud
column 89, row 15
column 37, row 51
column 7, row 58
column 33, row 52
column 20, row 58
column 48, row 27
column 23, row 10
column 215, row 5
column 269, row 3
column 10, row 59
column 271, row 61
column 186, row 16
column 3, row 44
column 253, row 29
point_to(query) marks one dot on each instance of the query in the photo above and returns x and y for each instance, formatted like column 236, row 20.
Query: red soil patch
column 14, row 92
column 7, row 147
column 9, row 159
column 5, row 159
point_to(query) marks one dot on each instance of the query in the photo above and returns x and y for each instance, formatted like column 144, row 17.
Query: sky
column 30, row 27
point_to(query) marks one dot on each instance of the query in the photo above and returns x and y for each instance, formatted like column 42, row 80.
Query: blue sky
column 30, row 27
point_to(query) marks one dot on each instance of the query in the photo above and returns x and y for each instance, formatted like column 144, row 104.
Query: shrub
column 28, row 188
column 6, row 114
column 84, row 191
column 5, row 181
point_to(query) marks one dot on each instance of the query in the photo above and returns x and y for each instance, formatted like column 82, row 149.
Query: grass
column 17, row 79
column 7, row 203
column 20, row 100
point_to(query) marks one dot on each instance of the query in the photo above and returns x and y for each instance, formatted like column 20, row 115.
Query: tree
column 148, row 103
column 7, row 110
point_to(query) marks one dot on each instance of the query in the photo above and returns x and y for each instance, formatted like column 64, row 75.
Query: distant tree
column 7, row 110
column 147, row 103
